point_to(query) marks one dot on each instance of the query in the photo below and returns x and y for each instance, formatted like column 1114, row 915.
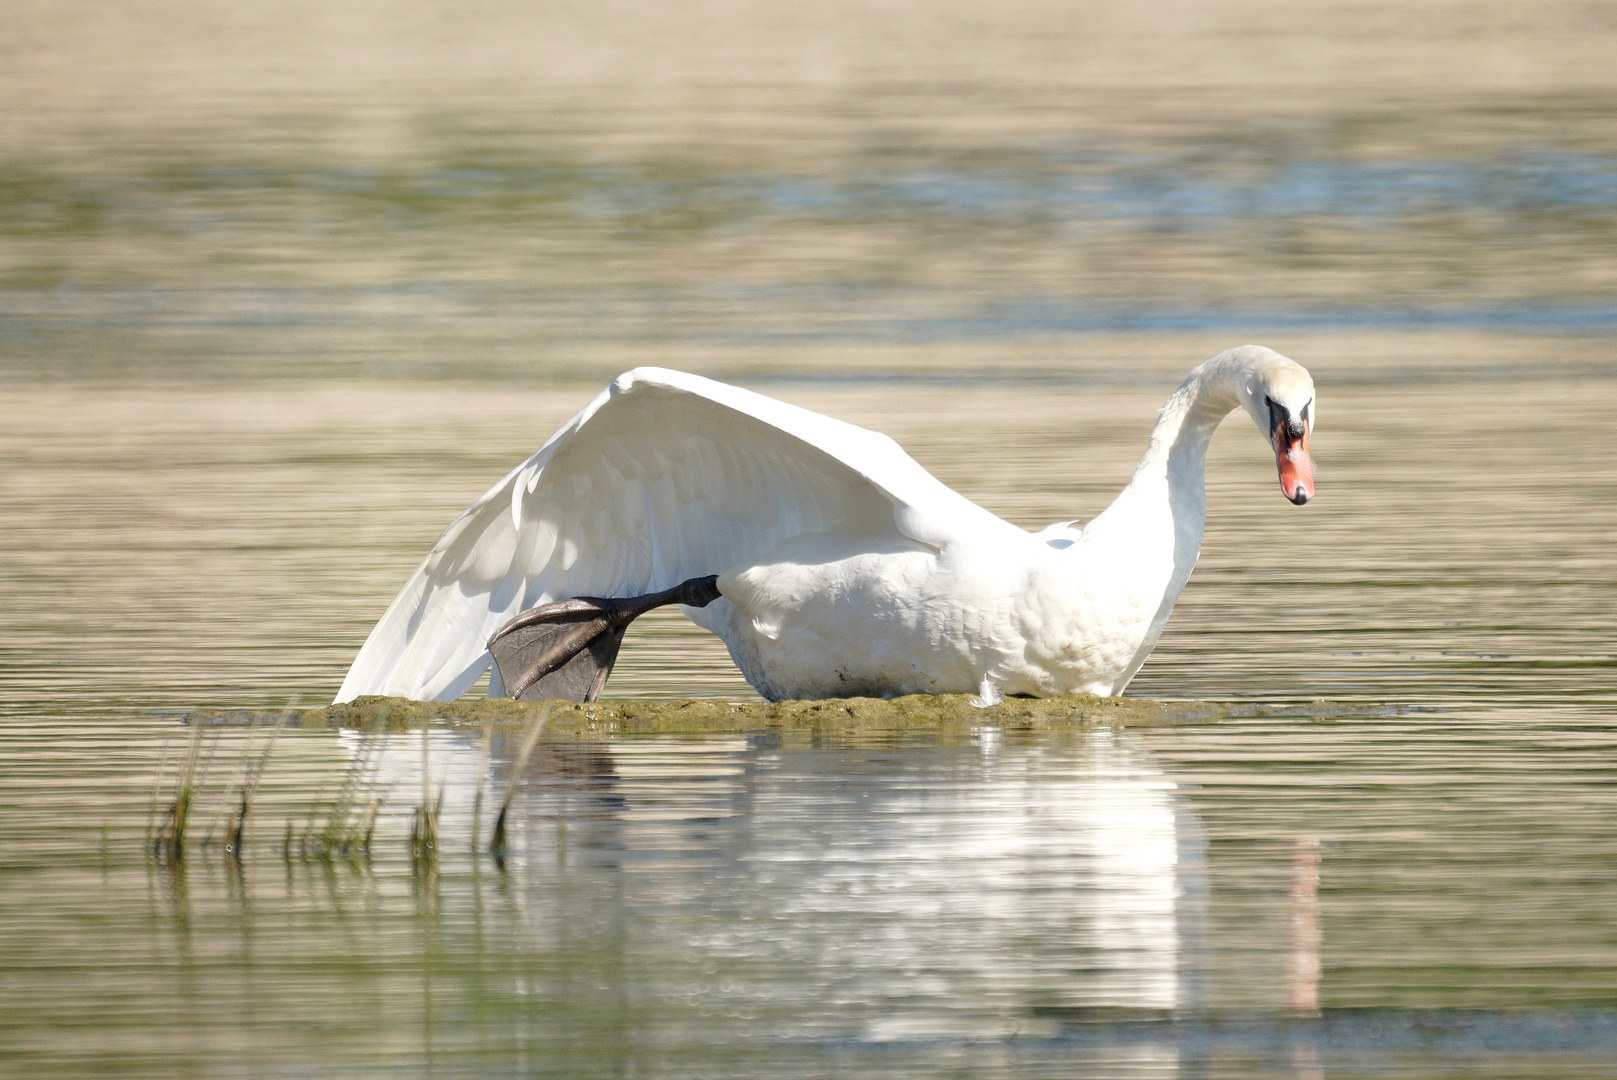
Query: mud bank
column 918, row 711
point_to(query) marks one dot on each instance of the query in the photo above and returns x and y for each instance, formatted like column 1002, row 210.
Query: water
column 1138, row 902
column 1116, row 903
column 308, row 269
column 267, row 322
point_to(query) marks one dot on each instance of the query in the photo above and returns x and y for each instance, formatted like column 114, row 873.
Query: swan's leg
column 566, row 649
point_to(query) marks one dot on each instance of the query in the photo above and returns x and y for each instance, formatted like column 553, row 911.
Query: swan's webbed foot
column 566, row 649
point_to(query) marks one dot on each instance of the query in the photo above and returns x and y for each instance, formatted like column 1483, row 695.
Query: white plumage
column 845, row 567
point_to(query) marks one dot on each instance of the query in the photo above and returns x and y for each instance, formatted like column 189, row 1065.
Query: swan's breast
column 850, row 613
column 1085, row 620
column 842, row 614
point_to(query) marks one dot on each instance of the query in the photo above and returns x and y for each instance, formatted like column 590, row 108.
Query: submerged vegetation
column 342, row 828
column 167, row 838
column 530, row 739
column 697, row 715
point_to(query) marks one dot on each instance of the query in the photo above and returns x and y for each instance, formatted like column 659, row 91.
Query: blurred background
column 511, row 191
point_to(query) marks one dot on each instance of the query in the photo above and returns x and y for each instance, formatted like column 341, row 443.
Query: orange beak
column 1296, row 467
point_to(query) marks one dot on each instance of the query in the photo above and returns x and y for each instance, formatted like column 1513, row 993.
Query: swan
column 826, row 558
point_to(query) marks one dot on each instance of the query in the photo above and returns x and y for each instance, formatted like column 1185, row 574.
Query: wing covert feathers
column 662, row 477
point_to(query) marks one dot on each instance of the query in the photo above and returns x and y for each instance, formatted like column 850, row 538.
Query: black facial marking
column 1280, row 417
column 1278, row 413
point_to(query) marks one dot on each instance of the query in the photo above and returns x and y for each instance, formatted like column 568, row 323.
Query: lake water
column 275, row 305
column 1412, row 872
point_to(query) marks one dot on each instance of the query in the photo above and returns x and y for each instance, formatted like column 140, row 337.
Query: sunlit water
column 252, row 368
column 1415, row 878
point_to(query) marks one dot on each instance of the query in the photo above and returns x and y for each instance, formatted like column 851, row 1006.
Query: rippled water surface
column 280, row 294
column 1412, row 871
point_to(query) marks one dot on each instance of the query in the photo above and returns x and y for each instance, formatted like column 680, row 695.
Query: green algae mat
column 699, row 715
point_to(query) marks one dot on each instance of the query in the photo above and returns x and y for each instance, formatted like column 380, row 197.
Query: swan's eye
column 1304, row 413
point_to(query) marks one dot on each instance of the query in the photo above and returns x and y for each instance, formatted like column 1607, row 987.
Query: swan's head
column 1278, row 394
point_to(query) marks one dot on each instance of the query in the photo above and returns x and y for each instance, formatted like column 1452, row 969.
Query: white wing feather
column 664, row 476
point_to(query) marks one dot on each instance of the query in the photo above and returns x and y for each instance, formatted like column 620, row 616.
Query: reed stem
column 530, row 739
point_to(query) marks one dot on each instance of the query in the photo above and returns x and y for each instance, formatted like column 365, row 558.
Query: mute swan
column 823, row 555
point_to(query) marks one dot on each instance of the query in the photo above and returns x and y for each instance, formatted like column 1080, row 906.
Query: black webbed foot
column 566, row 649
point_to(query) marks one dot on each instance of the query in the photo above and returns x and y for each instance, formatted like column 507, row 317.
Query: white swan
column 841, row 566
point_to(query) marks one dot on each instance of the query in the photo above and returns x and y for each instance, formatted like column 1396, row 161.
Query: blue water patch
column 1033, row 319
column 1553, row 182
column 736, row 316
column 620, row 271
column 1146, row 191
column 1373, row 1042
column 1186, row 189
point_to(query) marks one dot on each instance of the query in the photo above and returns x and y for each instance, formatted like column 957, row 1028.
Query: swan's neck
column 1153, row 530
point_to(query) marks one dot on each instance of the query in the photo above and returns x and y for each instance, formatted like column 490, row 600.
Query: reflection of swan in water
column 932, row 890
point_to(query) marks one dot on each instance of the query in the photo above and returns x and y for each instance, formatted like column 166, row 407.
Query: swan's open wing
column 663, row 477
